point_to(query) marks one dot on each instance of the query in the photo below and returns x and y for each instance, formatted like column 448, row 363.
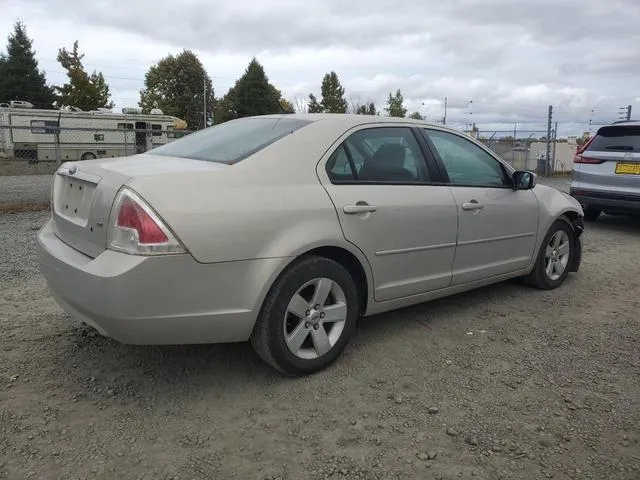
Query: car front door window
column 465, row 162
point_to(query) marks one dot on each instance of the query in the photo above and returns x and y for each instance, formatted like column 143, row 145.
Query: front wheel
column 307, row 317
column 554, row 258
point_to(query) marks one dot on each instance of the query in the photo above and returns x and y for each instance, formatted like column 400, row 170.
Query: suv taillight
column 579, row 158
column 136, row 229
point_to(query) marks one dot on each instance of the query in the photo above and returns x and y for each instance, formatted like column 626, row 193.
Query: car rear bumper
column 606, row 200
column 156, row 300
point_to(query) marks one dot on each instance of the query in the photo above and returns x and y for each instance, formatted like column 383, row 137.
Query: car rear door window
column 379, row 155
column 465, row 162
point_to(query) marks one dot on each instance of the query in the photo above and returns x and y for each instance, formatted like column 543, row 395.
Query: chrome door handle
column 358, row 208
column 472, row 205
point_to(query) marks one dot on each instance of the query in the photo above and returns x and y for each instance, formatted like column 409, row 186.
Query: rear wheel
column 307, row 317
column 591, row 213
column 554, row 258
column 88, row 156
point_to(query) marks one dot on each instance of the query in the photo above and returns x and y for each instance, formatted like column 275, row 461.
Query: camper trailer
column 72, row 134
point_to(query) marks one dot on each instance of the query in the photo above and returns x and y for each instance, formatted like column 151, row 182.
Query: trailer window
column 156, row 130
column 125, row 126
column 98, row 137
column 44, row 126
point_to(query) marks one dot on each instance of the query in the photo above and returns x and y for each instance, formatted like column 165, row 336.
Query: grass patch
column 23, row 167
column 24, row 207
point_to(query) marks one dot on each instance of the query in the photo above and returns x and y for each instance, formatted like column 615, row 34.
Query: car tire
column 552, row 265
column 88, row 156
column 591, row 214
column 292, row 333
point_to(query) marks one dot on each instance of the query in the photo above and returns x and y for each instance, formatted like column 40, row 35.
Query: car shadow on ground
column 105, row 369
column 620, row 223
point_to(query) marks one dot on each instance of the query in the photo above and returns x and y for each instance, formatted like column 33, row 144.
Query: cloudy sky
column 499, row 62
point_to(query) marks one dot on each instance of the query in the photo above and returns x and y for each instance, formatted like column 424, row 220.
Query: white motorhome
column 73, row 134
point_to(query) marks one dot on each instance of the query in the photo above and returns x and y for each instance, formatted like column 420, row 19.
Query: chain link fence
column 531, row 150
column 46, row 142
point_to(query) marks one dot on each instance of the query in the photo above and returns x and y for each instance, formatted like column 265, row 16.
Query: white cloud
column 511, row 58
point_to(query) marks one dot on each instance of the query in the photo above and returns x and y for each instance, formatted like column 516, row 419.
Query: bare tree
column 360, row 106
column 301, row 105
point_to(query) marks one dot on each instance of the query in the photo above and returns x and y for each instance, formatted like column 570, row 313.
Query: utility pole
column 204, row 99
column 624, row 113
column 548, row 156
column 555, row 142
column 444, row 119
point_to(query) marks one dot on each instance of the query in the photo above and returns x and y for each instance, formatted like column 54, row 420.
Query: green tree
column 176, row 85
column 367, row 109
column 333, row 100
column 286, row 106
column 416, row 116
column 332, row 92
column 313, row 105
column 88, row 92
column 20, row 78
column 360, row 107
column 395, row 105
column 251, row 95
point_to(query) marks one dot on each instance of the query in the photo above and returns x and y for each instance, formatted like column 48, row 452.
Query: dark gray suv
column 606, row 172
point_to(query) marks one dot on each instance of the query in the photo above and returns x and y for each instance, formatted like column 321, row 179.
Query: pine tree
column 395, row 105
column 333, row 100
column 251, row 95
column 368, row 109
column 313, row 106
column 20, row 78
column 88, row 92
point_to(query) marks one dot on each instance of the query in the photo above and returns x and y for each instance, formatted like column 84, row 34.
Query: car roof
column 352, row 120
column 623, row 123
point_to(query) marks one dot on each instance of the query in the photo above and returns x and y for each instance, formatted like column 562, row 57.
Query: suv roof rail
column 624, row 121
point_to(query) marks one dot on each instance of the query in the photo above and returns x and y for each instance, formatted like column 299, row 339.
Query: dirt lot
column 502, row 383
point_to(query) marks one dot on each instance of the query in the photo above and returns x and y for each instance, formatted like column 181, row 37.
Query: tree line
column 178, row 85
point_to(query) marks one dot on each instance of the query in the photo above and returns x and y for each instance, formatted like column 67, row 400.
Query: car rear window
column 232, row 141
column 617, row 138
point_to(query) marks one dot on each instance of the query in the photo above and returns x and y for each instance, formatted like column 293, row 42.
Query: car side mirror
column 523, row 180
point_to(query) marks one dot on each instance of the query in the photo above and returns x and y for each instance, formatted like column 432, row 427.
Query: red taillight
column 579, row 158
column 136, row 229
column 132, row 215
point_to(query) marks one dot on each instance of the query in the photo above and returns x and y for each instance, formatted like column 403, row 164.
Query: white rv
column 71, row 134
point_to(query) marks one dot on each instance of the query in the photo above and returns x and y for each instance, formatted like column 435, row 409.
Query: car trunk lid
column 83, row 194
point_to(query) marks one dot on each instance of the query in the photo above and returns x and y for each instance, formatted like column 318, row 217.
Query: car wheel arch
column 575, row 220
column 355, row 263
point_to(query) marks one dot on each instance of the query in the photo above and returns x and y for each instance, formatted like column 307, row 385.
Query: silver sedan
column 284, row 230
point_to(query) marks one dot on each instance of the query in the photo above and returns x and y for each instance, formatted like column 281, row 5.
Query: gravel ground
column 20, row 189
column 504, row 382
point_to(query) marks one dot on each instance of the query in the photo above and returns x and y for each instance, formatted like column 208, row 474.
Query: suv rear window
column 616, row 138
column 232, row 141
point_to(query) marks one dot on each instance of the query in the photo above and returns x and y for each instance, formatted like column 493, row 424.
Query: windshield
column 617, row 138
column 231, row 141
